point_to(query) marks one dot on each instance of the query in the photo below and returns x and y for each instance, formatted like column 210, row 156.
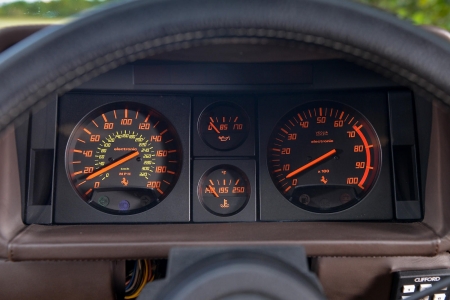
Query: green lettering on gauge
column 324, row 156
column 123, row 158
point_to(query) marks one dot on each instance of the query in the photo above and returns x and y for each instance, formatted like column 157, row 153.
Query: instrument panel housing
column 69, row 208
column 181, row 101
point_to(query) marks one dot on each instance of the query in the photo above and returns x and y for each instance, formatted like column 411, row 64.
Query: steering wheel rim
column 58, row 59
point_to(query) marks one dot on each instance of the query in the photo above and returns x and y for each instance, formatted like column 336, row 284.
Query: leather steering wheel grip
column 59, row 58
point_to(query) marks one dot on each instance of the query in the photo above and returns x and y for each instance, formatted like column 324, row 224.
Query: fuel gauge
column 224, row 190
column 223, row 126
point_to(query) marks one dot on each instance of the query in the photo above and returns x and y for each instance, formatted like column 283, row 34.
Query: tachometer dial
column 123, row 157
column 224, row 190
column 223, row 126
column 324, row 156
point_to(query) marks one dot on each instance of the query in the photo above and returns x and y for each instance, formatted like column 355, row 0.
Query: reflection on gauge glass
column 123, row 158
column 223, row 126
column 324, row 156
column 224, row 190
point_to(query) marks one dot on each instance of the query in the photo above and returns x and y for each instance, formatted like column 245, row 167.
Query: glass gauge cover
column 324, row 156
column 123, row 158
column 224, row 190
column 223, row 126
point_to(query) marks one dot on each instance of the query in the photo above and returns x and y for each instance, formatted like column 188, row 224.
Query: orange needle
column 311, row 163
column 213, row 191
column 113, row 165
column 214, row 127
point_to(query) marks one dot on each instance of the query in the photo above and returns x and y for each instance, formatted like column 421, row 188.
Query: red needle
column 113, row 165
column 213, row 191
column 311, row 163
column 214, row 127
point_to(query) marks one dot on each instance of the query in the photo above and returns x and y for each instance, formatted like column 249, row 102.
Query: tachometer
column 324, row 156
column 123, row 157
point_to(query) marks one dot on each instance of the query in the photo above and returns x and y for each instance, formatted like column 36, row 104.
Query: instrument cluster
column 137, row 158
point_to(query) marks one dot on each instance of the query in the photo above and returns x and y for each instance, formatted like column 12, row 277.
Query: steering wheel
column 58, row 59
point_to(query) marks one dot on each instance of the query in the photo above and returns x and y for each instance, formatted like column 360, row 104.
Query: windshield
column 25, row 12
column 13, row 12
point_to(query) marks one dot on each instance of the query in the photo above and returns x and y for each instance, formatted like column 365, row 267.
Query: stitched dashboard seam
column 140, row 50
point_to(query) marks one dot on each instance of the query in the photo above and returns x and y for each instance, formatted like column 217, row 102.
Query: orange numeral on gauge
column 155, row 138
column 351, row 134
column 285, row 151
column 294, row 181
column 126, row 122
column 338, row 123
column 304, row 124
column 161, row 169
column 292, row 136
column 95, row 138
column 87, row 153
column 88, row 170
column 108, row 126
column 321, row 120
column 223, row 190
column 144, row 126
column 286, row 167
column 154, row 184
column 223, row 127
column 238, row 126
column 360, row 165
column 358, row 148
column 238, row 190
column 96, row 184
column 161, row 153
column 352, row 180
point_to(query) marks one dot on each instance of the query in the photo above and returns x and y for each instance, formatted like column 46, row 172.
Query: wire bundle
column 138, row 277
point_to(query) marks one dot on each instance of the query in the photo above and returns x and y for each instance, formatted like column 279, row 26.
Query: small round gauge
column 224, row 190
column 123, row 158
column 324, row 156
column 223, row 126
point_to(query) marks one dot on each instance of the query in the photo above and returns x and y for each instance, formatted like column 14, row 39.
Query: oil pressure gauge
column 223, row 126
column 224, row 190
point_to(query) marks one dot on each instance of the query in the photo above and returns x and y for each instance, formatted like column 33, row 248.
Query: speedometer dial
column 123, row 158
column 324, row 156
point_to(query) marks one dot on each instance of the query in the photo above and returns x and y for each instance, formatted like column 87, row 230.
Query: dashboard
column 318, row 133
column 175, row 142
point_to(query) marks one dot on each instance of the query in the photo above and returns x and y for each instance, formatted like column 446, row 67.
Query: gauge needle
column 214, row 127
column 113, row 165
column 311, row 163
column 213, row 191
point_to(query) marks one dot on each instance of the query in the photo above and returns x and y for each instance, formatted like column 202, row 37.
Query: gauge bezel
column 227, row 167
column 213, row 106
column 247, row 149
column 120, row 105
column 377, row 205
column 70, row 209
column 371, row 131
column 199, row 212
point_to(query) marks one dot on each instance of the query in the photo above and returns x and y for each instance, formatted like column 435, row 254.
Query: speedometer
column 123, row 157
column 324, row 156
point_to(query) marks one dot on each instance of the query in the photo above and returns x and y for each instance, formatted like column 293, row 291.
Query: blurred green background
column 429, row 12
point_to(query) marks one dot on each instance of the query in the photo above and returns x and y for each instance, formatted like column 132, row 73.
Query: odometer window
column 123, row 158
column 324, row 156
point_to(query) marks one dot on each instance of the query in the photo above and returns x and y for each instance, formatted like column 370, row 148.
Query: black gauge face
column 324, row 156
column 224, row 190
column 223, row 126
column 123, row 157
